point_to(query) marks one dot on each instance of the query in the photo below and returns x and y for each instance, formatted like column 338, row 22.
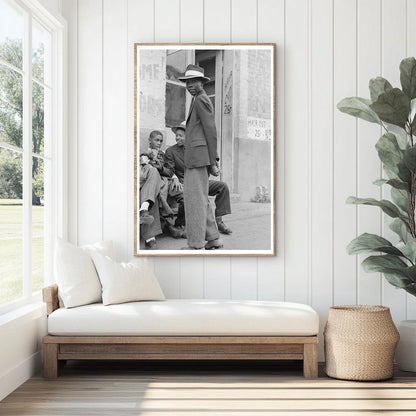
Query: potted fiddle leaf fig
column 394, row 109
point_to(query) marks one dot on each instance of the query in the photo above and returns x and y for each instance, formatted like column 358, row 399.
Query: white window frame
column 58, row 211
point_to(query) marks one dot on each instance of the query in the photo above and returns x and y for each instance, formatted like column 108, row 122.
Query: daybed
column 180, row 329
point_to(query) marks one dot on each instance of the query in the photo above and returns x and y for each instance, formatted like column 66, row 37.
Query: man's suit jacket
column 175, row 161
column 201, row 133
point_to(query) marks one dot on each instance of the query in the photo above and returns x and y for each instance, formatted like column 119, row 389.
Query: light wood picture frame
column 241, row 88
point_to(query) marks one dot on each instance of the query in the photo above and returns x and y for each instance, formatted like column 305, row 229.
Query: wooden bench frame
column 58, row 349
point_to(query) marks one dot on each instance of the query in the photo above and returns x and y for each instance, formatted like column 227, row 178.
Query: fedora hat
column 193, row 71
column 181, row 126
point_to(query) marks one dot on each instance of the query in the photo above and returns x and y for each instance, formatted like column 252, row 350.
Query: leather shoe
column 222, row 228
column 150, row 245
column 145, row 217
column 214, row 244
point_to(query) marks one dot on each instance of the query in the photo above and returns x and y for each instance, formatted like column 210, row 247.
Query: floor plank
column 226, row 389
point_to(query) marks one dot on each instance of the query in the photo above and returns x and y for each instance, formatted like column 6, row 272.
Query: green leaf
column 410, row 272
column 395, row 183
column 378, row 86
column 380, row 182
column 389, row 208
column 408, row 77
column 398, row 184
column 366, row 243
column 411, row 289
column 392, row 107
column 389, row 151
column 390, row 173
column 401, row 139
column 359, row 107
column 410, row 158
column 400, row 228
column 381, row 263
column 412, row 109
column 404, row 173
column 400, row 198
column 408, row 249
column 397, row 280
column 396, row 271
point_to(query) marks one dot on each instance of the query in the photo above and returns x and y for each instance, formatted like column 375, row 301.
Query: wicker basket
column 360, row 341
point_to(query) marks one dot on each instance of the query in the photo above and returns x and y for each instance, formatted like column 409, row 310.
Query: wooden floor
column 192, row 389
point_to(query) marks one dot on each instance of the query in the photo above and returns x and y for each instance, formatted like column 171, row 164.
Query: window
column 30, row 148
column 175, row 89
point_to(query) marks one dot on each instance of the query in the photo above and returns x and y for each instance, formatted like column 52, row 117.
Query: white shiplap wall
column 326, row 50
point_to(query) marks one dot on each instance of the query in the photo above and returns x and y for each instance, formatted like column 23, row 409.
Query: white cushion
column 126, row 282
column 75, row 273
column 103, row 247
column 180, row 317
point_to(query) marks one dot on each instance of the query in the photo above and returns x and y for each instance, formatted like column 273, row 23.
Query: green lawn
column 11, row 249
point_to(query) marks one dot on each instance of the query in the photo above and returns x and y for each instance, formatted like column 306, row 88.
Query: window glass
column 38, row 227
column 11, row 226
column 11, row 34
column 175, row 105
column 38, row 118
column 175, row 89
column 41, row 44
column 11, row 106
column 175, row 64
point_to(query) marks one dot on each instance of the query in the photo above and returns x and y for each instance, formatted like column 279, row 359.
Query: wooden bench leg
column 310, row 360
column 50, row 360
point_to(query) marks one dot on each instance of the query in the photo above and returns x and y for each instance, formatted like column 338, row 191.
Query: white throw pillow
column 126, row 282
column 103, row 247
column 75, row 273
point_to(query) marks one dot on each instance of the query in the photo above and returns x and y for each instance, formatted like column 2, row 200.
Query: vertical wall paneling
column 167, row 30
column 326, row 50
column 244, row 29
column 244, row 21
column 140, row 22
column 217, row 29
column 217, row 21
column 296, row 152
column 192, row 31
column 321, row 150
column 411, row 51
column 115, row 52
column 393, row 51
column 168, row 270
column 167, row 21
column 345, row 151
column 191, row 21
column 217, row 278
column 369, row 167
column 70, row 11
column 271, row 29
column 192, row 277
column 90, row 128
column 244, row 278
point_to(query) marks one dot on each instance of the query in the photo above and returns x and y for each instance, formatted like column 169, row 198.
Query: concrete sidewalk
column 249, row 221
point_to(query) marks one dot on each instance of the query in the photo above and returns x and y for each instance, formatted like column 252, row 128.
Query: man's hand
column 214, row 169
column 144, row 159
column 176, row 185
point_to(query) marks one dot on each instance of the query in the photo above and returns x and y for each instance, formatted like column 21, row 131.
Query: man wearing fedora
column 175, row 167
column 200, row 161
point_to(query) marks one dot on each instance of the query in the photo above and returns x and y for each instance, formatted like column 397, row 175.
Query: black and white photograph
column 204, row 150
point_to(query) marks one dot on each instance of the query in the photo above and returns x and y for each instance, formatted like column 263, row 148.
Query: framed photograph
column 204, row 131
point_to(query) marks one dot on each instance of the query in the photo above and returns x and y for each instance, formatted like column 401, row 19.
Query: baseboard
column 10, row 380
